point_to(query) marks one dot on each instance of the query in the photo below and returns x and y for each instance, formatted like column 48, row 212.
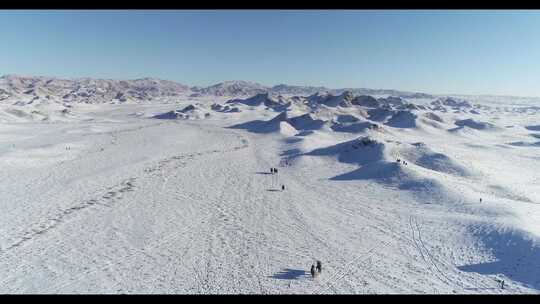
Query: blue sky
column 468, row 52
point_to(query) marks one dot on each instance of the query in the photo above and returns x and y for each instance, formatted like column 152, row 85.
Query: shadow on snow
column 289, row 274
column 517, row 256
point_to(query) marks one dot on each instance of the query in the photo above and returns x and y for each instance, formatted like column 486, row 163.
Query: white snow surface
column 109, row 198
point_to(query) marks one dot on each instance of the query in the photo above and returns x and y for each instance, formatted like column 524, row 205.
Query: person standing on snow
column 319, row 266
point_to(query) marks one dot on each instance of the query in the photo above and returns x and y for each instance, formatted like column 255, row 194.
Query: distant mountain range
column 26, row 89
column 246, row 88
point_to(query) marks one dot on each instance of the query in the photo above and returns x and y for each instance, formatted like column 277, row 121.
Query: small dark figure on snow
column 275, row 170
column 502, row 284
column 282, row 187
column 480, row 200
column 313, row 271
column 319, row 266
column 398, row 161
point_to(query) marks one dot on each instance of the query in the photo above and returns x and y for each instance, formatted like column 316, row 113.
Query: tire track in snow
column 369, row 215
column 434, row 261
column 63, row 215
column 225, row 227
column 168, row 165
column 385, row 228
column 206, row 278
column 110, row 196
column 345, row 269
column 430, row 259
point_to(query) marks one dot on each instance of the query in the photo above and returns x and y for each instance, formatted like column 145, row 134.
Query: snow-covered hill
column 24, row 90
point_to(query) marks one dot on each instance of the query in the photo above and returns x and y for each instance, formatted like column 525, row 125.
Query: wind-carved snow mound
column 224, row 108
column 360, row 151
column 276, row 104
column 392, row 101
column 376, row 165
column 189, row 112
column 379, row 114
column 402, row 119
column 525, row 144
column 433, row 116
column 423, row 156
column 450, row 104
column 366, row 101
column 432, row 120
column 304, row 122
column 264, row 126
column 473, row 124
column 346, row 118
column 533, row 128
column 352, row 124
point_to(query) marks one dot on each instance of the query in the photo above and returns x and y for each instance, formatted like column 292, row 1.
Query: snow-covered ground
column 123, row 199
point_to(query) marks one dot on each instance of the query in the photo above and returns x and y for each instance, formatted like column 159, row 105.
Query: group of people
column 284, row 163
column 275, row 171
column 316, row 270
column 401, row 161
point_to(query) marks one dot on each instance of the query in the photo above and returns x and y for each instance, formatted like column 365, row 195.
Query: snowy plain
column 119, row 198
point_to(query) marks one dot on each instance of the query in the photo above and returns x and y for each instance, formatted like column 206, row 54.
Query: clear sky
column 460, row 52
